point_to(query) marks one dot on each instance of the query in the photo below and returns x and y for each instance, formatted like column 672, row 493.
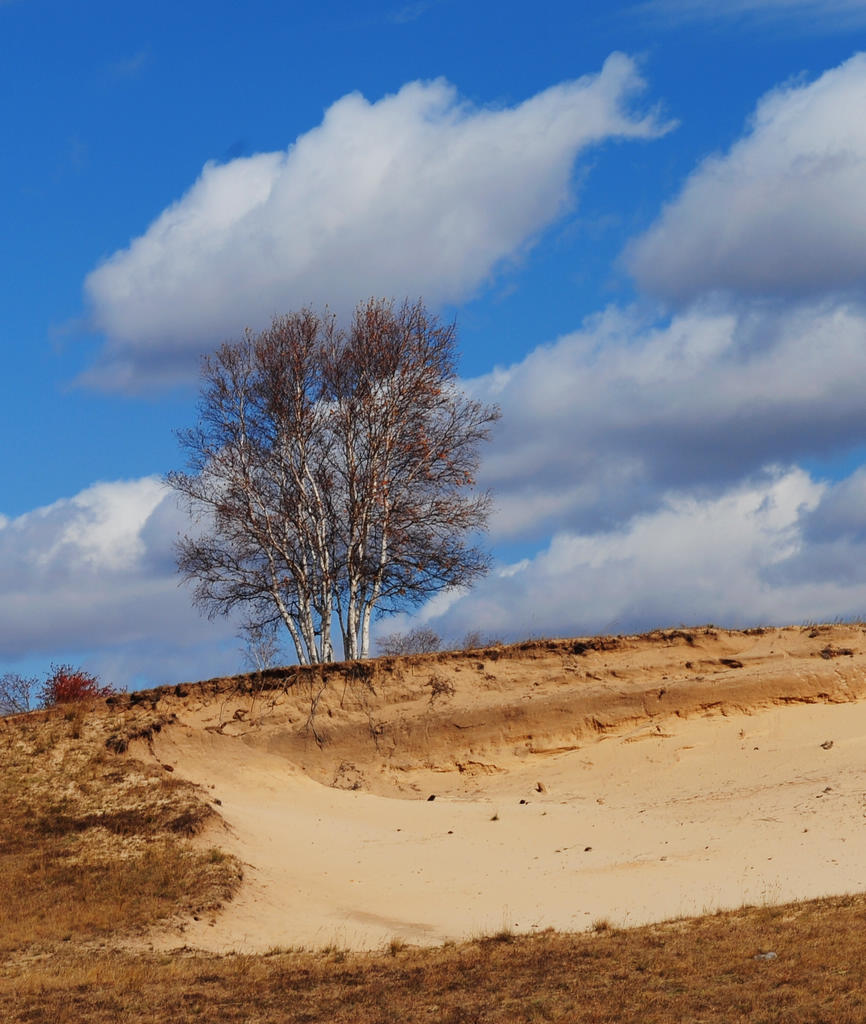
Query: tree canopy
column 331, row 474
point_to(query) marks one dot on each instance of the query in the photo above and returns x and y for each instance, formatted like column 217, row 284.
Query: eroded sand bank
column 650, row 778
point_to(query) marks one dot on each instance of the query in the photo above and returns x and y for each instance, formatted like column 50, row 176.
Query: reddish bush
column 69, row 685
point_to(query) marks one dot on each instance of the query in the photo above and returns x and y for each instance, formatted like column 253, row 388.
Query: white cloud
column 819, row 15
column 782, row 213
column 739, row 559
column 100, row 527
column 843, row 513
column 93, row 575
column 601, row 424
column 416, row 194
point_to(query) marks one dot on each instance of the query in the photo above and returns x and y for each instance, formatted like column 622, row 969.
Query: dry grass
column 696, row 971
column 92, row 843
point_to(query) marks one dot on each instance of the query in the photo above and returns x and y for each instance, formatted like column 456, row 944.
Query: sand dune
column 631, row 779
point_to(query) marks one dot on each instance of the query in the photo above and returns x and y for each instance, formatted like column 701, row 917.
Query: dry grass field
column 93, row 843
column 103, row 848
column 708, row 969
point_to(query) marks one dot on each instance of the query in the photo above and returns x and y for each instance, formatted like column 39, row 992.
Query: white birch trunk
column 370, row 603
column 291, row 626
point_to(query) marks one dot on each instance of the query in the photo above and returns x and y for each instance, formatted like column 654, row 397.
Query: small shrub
column 16, row 693
column 69, row 685
column 440, row 687
column 421, row 640
column 474, row 640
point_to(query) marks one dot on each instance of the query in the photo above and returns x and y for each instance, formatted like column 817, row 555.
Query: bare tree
column 16, row 693
column 421, row 640
column 260, row 645
column 332, row 474
column 474, row 639
column 259, row 468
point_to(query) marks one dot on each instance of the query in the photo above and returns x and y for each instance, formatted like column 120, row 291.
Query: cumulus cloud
column 419, row 193
column 737, row 559
column 842, row 513
column 93, row 575
column 835, row 539
column 782, row 213
column 820, row 15
column 600, row 425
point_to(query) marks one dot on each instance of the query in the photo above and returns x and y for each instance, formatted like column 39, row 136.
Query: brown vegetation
column 716, row 968
column 92, row 844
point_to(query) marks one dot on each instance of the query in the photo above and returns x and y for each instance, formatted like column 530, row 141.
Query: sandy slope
column 632, row 779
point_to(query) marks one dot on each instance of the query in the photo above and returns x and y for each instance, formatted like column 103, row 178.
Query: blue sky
column 647, row 218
